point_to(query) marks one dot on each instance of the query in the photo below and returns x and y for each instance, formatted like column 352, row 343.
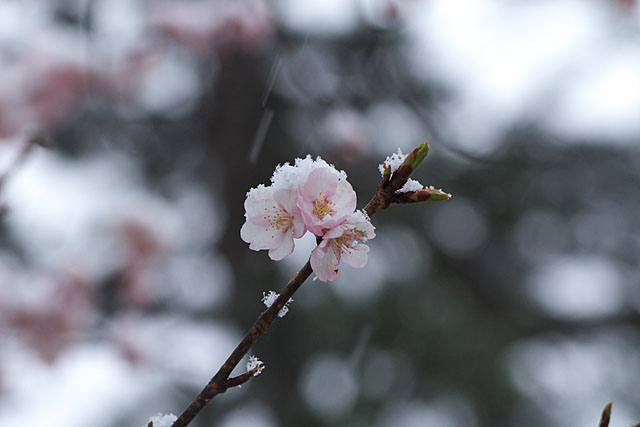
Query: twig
column 217, row 384
column 390, row 183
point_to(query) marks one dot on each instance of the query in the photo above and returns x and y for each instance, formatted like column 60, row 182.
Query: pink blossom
column 325, row 201
column 273, row 221
column 344, row 242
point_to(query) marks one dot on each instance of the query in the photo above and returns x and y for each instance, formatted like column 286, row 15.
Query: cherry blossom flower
column 273, row 221
column 344, row 242
column 325, row 201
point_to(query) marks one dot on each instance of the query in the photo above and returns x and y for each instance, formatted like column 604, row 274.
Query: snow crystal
column 411, row 185
column 269, row 298
column 290, row 176
column 251, row 190
column 393, row 161
column 161, row 420
column 255, row 363
column 365, row 215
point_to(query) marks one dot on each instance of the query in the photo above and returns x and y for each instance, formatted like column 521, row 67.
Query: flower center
column 322, row 207
column 278, row 219
column 343, row 244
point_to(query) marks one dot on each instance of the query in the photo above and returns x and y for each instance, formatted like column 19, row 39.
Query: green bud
column 424, row 195
column 411, row 162
column 606, row 415
column 416, row 157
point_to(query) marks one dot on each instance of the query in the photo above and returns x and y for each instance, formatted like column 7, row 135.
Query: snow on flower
column 344, row 242
column 255, row 363
column 291, row 176
column 161, row 420
column 325, row 201
column 309, row 195
column 394, row 161
column 273, row 221
column 269, row 298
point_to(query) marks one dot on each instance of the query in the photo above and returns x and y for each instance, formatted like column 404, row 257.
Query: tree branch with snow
column 311, row 196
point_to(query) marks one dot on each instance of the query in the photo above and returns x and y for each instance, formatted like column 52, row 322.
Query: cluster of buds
column 395, row 175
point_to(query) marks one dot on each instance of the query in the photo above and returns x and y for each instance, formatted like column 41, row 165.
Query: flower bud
column 411, row 162
column 424, row 195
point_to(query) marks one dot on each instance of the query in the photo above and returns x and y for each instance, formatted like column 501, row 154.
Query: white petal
column 321, row 180
column 287, row 198
column 345, row 200
column 298, row 226
column 324, row 262
column 258, row 199
column 361, row 225
column 284, row 249
column 336, row 231
column 260, row 236
column 357, row 257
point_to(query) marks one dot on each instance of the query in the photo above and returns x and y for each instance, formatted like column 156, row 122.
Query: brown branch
column 217, row 384
column 240, row 379
column 389, row 184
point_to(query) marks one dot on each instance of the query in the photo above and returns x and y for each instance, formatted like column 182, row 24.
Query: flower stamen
column 322, row 207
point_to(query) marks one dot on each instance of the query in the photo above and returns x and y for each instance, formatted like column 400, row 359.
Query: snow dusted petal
column 324, row 262
column 291, row 176
column 361, row 226
column 324, row 201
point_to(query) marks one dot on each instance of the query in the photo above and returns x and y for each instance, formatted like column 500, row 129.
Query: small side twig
column 217, row 384
column 390, row 183
column 240, row 379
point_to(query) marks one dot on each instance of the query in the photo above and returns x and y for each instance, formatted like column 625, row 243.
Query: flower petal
column 258, row 199
column 260, row 236
column 286, row 198
column 357, row 256
column 345, row 200
column 321, row 181
column 324, row 262
column 284, row 249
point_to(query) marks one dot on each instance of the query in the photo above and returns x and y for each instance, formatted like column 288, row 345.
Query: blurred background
column 131, row 131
